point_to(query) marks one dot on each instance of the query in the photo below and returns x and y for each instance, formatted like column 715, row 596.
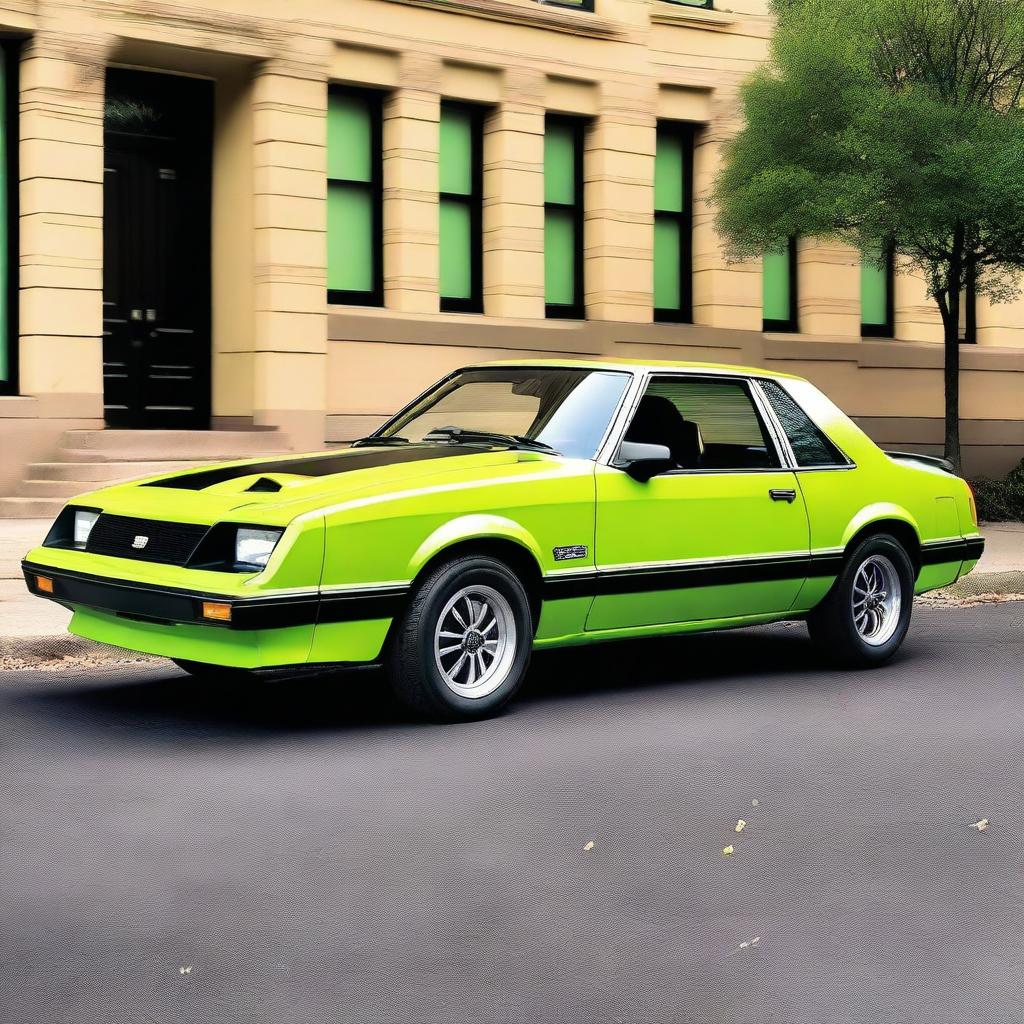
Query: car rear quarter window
column 810, row 445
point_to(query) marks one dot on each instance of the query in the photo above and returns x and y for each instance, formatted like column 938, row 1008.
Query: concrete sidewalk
column 31, row 628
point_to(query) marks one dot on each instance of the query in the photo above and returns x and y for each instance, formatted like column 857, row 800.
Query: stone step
column 198, row 444
column 95, row 473
column 30, row 508
column 62, row 489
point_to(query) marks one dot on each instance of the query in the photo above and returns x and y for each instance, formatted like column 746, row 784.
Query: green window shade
column 349, row 237
column 668, row 174
column 456, row 151
column 559, row 164
column 5, row 340
column 559, row 257
column 776, row 273
column 349, row 137
column 667, row 292
column 456, row 250
column 874, row 292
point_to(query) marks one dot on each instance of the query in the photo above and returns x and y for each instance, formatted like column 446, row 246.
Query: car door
column 724, row 534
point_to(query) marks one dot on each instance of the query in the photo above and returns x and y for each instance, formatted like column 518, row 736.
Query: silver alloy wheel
column 876, row 600
column 475, row 641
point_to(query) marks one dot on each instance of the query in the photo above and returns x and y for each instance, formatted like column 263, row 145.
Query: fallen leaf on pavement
column 184, row 970
column 980, row 825
column 753, row 803
column 589, row 846
column 740, row 825
column 727, row 852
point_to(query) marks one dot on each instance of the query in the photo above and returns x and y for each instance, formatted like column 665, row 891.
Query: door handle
column 783, row 494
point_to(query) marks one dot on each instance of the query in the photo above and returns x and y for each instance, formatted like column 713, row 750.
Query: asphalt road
column 300, row 853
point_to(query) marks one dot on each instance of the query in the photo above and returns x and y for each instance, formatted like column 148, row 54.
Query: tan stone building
column 228, row 216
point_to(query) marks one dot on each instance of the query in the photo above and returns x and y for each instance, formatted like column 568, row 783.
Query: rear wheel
column 463, row 646
column 865, row 617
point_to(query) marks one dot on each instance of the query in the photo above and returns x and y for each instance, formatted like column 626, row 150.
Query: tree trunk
column 951, row 329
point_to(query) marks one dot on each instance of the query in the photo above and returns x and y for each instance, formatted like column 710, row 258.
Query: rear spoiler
column 927, row 460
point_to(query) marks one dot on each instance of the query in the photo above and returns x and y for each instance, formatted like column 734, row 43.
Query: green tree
column 889, row 123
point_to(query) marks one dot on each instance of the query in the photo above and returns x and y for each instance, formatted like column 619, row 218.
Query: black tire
column 213, row 673
column 411, row 663
column 832, row 624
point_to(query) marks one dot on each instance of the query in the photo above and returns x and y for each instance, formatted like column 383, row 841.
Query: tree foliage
column 888, row 124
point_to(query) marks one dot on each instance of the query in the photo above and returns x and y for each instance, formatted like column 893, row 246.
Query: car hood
column 277, row 490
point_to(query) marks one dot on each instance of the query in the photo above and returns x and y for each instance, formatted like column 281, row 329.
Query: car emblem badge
column 140, row 542
column 569, row 553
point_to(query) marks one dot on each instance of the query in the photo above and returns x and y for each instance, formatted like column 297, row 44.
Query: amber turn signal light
column 44, row 584
column 216, row 611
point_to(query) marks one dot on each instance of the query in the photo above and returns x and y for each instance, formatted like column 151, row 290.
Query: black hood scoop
column 346, row 461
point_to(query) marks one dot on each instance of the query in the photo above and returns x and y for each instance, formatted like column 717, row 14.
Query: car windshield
column 568, row 410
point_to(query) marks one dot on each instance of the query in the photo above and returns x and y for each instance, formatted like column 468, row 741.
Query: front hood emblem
column 140, row 542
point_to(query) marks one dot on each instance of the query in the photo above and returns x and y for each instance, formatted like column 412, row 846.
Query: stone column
column 618, row 236
column 917, row 315
column 514, row 200
column 290, row 232
column 724, row 294
column 828, row 296
column 411, row 133
column 61, row 224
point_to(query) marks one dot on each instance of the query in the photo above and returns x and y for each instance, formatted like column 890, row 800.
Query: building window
column 706, row 4
column 8, row 217
column 563, row 217
column 877, row 275
column 580, row 5
column 780, row 288
column 969, row 310
column 354, row 228
column 461, row 210
column 673, row 223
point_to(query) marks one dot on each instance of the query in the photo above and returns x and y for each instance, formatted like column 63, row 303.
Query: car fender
column 878, row 512
column 473, row 527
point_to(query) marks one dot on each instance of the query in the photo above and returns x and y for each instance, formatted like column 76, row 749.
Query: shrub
column 1001, row 500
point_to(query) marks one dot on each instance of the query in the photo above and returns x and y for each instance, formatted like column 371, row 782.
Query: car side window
column 706, row 423
column 810, row 445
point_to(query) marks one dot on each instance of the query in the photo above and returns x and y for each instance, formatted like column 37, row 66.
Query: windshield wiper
column 453, row 435
column 373, row 439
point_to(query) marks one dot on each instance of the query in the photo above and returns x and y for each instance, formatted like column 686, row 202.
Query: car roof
column 639, row 366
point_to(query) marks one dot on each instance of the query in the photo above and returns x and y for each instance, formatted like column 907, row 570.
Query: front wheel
column 865, row 617
column 463, row 646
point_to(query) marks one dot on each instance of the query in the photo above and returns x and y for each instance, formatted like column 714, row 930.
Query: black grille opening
column 145, row 540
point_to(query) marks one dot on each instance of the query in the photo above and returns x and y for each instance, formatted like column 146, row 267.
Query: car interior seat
column 658, row 421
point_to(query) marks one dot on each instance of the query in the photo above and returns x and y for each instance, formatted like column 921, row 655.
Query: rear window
column 809, row 443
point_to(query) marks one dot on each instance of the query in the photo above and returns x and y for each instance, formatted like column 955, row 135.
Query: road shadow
column 164, row 703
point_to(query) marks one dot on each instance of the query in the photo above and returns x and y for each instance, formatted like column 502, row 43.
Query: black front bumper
column 147, row 602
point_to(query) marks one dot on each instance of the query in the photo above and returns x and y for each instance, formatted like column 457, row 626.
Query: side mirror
column 642, row 461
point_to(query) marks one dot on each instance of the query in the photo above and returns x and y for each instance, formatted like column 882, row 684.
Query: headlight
column 253, row 547
column 84, row 522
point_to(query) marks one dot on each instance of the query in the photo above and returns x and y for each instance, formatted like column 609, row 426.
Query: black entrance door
column 156, row 251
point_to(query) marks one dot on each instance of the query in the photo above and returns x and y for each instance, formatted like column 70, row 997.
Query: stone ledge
column 691, row 17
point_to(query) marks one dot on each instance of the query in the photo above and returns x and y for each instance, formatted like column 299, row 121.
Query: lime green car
column 520, row 506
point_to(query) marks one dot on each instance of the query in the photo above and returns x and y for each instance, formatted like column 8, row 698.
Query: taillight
column 973, row 504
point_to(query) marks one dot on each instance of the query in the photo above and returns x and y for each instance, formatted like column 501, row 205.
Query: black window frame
column 12, row 54
column 577, row 310
column 970, row 298
column 585, row 5
column 475, row 201
column 686, row 132
column 375, row 295
column 888, row 329
column 792, row 325
column 706, row 5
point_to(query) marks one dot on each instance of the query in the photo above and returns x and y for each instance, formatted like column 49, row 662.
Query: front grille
column 167, row 543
